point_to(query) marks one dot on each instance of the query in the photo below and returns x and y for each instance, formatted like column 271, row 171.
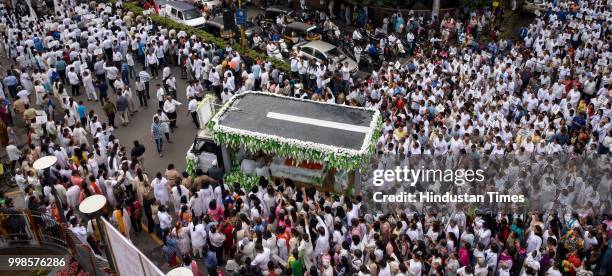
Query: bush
column 248, row 53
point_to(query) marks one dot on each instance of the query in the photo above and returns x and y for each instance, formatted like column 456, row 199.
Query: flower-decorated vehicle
column 307, row 141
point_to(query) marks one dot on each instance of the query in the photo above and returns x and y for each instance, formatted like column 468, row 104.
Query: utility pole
column 435, row 9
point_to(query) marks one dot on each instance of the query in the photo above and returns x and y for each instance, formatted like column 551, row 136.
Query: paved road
column 139, row 129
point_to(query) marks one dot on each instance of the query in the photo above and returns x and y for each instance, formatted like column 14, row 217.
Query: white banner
column 128, row 259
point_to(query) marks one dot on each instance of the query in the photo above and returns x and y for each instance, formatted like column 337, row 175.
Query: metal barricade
column 84, row 255
column 15, row 229
column 48, row 231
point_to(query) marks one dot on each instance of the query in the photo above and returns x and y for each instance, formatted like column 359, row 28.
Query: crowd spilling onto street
column 546, row 94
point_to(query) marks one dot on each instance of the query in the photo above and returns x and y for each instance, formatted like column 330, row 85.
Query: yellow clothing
column 76, row 160
column 399, row 133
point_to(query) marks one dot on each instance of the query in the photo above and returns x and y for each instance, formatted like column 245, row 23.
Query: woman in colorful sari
column 121, row 219
column 295, row 263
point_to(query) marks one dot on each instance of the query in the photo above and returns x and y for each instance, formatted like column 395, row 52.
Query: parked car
column 532, row 6
column 182, row 12
column 296, row 32
column 323, row 51
column 216, row 27
column 273, row 12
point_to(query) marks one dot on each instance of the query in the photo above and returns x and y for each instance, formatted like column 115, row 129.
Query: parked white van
column 182, row 12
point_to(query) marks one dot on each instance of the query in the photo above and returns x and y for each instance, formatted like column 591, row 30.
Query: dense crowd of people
column 544, row 95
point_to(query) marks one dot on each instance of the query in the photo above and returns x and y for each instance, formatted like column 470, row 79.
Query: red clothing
column 135, row 210
column 228, row 231
column 464, row 257
column 285, row 237
column 95, row 188
column 400, row 103
column 217, row 213
column 76, row 180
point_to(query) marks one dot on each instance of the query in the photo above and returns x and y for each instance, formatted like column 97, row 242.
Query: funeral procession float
column 315, row 144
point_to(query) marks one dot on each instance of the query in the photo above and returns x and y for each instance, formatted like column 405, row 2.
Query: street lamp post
column 92, row 207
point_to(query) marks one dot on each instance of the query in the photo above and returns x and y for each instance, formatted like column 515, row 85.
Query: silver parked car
column 323, row 51
column 532, row 6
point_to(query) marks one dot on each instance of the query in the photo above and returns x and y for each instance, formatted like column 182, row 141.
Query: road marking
column 153, row 236
column 11, row 193
column 317, row 122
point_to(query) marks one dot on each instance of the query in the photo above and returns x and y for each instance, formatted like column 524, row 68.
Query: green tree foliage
column 209, row 38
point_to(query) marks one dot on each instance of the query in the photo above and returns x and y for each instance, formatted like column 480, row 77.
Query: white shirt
column 192, row 105
column 262, row 259
column 160, row 189
column 151, row 59
column 72, row 196
column 415, row 267
column 160, row 94
column 346, row 74
column 198, row 235
column 165, row 221
column 214, row 78
column 80, row 232
column 73, row 78
column 225, row 96
column 533, row 243
column 13, row 152
column 170, row 105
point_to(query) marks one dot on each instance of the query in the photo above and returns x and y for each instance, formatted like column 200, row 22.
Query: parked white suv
column 323, row 51
column 182, row 12
column 533, row 6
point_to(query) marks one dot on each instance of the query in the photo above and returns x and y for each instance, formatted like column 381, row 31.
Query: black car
column 216, row 27
column 273, row 12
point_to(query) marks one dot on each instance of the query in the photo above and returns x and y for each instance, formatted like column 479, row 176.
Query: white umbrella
column 92, row 204
column 180, row 271
column 44, row 162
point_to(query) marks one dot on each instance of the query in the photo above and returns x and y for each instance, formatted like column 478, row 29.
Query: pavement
column 140, row 124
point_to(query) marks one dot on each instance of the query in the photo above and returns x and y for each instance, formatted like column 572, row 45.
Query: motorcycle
column 332, row 37
column 358, row 37
column 307, row 16
column 377, row 59
column 257, row 42
column 395, row 48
